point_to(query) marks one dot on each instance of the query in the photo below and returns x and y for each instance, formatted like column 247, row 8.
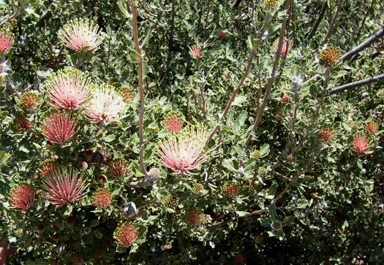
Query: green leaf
column 148, row 31
column 273, row 188
column 239, row 100
column 266, row 222
column 288, row 220
column 123, row 9
column 272, row 211
column 229, row 166
column 264, row 150
column 109, row 138
column 241, row 213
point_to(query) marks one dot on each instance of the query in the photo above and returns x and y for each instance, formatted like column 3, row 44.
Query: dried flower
column 173, row 122
column 41, row 228
column 195, row 52
column 361, row 144
column 80, row 33
column 126, row 234
column 276, row 225
column 130, row 210
column 68, row 89
column 59, row 127
column 22, row 196
column 64, row 186
column 325, row 135
column 99, row 251
column 126, row 94
column 73, row 156
column 231, row 189
column 105, row 106
column 329, row 56
column 183, row 151
column 154, row 173
column 76, row 259
column 22, row 124
column 371, row 127
column 102, row 179
column 102, row 198
column 6, row 41
column 193, row 217
column 287, row 46
column 29, row 100
column 118, row 167
column 71, row 220
column 55, row 237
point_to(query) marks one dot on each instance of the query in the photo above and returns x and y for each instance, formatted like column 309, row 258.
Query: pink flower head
column 106, row 105
column 361, row 144
column 59, row 127
column 371, row 127
column 6, row 42
column 285, row 99
column 173, row 122
column 193, row 217
column 222, row 35
column 183, row 152
column 22, row 196
column 63, row 186
column 80, row 33
column 68, row 89
column 195, row 52
column 22, row 124
column 102, row 198
column 287, row 46
column 46, row 167
column 231, row 189
column 118, row 167
column 126, row 234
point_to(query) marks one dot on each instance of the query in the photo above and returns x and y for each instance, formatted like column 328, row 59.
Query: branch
column 17, row 13
column 325, row 6
column 331, row 25
column 356, row 84
column 237, row 217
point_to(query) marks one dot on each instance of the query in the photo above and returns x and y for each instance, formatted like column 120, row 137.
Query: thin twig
column 313, row 31
column 331, row 25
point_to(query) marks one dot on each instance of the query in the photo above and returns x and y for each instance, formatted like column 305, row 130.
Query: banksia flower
column 64, row 186
column 126, row 234
column 126, row 94
column 231, row 189
column 68, row 89
column 6, row 41
column 99, row 251
column 79, row 34
column 285, row 99
column 222, row 35
column 259, row 239
column 195, row 52
column 371, row 127
column 154, row 173
column 29, row 100
column 172, row 201
column 173, row 122
column 361, row 144
column 271, row 4
column 46, row 167
column 198, row 188
column 325, row 135
column 105, row 106
column 276, row 225
column 22, row 124
column 118, row 167
column 76, row 259
column 239, row 258
column 59, row 127
column 194, row 218
column 102, row 198
column 287, row 46
column 329, row 56
column 22, row 196
column 262, row 171
column 257, row 154
column 183, row 152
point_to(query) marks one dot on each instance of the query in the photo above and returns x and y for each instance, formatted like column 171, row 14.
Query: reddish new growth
column 361, row 144
column 6, row 42
column 102, row 198
column 231, row 189
column 22, row 124
column 22, row 196
column 195, row 52
column 325, row 135
column 59, row 127
column 166, row 247
column 173, row 122
column 126, row 234
column 64, row 186
column 193, row 217
column 222, row 35
column 371, row 127
column 285, row 99
column 46, row 167
column 118, row 167
column 287, row 46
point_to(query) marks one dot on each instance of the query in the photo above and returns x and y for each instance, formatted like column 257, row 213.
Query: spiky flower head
column 257, row 154
column 22, row 196
column 287, row 46
column 126, row 234
column 99, row 251
column 325, row 135
column 81, row 33
column 118, row 167
column 63, row 186
column 29, row 100
column 172, row 201
column 126, row 93
column 183, row 151
column 329, row 56
column 276, row 225
column 6, row 41
column 22, row 124
column 231, row 189
column 371, row 127
column 262, row 171
column 194, row 217
column 46, row 167
column 361, row 144
column 68, row 89
column 195, row 52
column 102, row 198
column 198, row 188
column 59, row 127
column 106, row 105
column 173, row 122
column 271, row 4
